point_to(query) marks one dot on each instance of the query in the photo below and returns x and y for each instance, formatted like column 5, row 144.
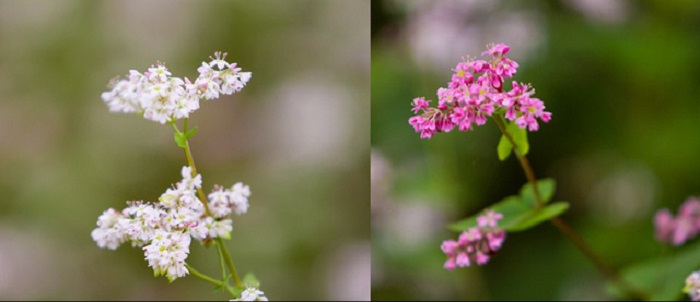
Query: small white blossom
column 251, row 294
column 167, row 253
column 108, row 233
column 219, row 203
column 218, row 60
column 160, row 97
column 165, row 229
column 239, row 198
column 692, row 286
column 140, row 222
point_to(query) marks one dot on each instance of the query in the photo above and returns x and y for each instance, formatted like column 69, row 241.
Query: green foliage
column 180, row 139
column 520, row 211
column 191, row 133
column 662, row 278
column 504, row 148
column 546, row 187
column 518, row 135
column 250, row 280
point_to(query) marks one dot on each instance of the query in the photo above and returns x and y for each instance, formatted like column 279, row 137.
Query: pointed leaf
column 191, row 132
column 250, row 280
column 520, row 138
column 511, row 207
column 180, row 140
column 504, row 148
column 517, row 216
column 546, row 187
column 538, row 216
column 662, row 278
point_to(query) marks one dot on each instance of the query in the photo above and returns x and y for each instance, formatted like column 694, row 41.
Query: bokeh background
column 297, row 134
column 621, row 78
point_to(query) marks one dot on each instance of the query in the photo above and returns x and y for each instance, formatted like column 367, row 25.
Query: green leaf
column 511, row 207
column 517, row 215
column 520, row 138
column 191, row 132
column 546, row 187
column 518, row 135
column 504, row 148
column 250, row 280
column 180, row 140
column 662, row 278
column 537, row 216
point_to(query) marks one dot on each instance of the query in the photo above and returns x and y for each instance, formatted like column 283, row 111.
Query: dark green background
column 623, row 141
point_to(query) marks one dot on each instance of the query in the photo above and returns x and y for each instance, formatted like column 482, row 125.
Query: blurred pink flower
column 476, row 244
column 678, row 230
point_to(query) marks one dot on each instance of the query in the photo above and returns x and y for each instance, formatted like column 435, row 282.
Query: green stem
column 529, row 172
column 221, row 263
column 220, row 244
column 190, row 163
column 211, row 280
column 227, row 257
column 607, row 270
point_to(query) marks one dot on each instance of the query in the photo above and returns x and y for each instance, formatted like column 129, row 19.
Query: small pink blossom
column 677, row 230
column 489, row 219
column 475, row 245
column 496, row 50
column 474, row 93
column 419, row 104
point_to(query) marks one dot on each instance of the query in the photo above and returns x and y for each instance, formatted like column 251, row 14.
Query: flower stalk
column 607, row 270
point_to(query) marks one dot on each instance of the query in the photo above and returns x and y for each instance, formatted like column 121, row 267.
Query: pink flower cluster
column 677, row 230
column 474, row 93
column 476, row 244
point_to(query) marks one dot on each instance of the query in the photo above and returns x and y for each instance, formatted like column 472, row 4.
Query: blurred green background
column 621, row 79
column 297, row 134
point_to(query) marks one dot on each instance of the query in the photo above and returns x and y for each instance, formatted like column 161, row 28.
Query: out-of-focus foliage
column 297, row 134
column 620, row 78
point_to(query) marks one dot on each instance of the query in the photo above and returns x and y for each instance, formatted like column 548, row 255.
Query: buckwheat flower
column 181, row 218
column 475, row 245
column 532, row 109
column 474, row 93
column 108, row 233
column 489, row 219
column 678, row 230
column 219, row 61
column 239, row 198
column 692, row 286
column 141, row 221
column 664, row 224
column 184, row 192
column 210, row 88
column 219, row 202
column 158, row 73
column 251, row 294
column 220, row 228
column 449, row 247
column 421, row 104
column 160, row 97
column 167, row 253
column 496, row 50
column 123, row 97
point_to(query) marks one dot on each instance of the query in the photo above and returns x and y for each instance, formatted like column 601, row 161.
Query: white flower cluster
column 160, row 97
column 692, row 286
column 251, row 294
column 164, row 229
column 223, row 202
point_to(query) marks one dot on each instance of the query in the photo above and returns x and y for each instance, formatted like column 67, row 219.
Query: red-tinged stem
column 607, row 270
